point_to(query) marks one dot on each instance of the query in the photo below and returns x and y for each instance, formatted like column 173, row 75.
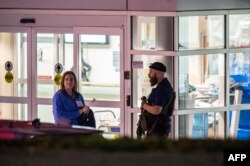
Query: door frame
column 107, row 31
column 16, row 99
column 33, row 71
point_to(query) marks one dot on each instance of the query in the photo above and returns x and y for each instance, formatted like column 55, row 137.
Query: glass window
column 107, row 120
column 100, row 67
column 204, row 85
column 239, row 124
column 239, row 67
column 201, row 32
column 13, row 48
column 11, row 111
column 152, row 33
column 51, row 49
column 140, row 69
column 239, row 30
column 45, row 113
column 202, row 125
column 193, row 126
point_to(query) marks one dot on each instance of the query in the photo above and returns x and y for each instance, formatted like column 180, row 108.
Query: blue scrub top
column 67, row 107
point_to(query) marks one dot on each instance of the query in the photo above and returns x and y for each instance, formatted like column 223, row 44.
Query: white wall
column 212, row 4
column 65, row 4
column 56, row 20
column 152, row 5
column 123, row 5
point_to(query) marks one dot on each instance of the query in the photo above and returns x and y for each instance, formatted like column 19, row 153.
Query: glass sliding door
column 100, row 66
column 32, row 56
column 95, row 57
column 51, row 49
column 100, row 78
column 14, row 91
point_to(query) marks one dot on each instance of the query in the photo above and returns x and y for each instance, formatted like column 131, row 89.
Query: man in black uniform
column 158, row 123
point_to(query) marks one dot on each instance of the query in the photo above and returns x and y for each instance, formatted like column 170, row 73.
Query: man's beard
column 153, row 80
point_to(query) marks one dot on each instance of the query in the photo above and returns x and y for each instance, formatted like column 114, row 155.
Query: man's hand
column 143, row 101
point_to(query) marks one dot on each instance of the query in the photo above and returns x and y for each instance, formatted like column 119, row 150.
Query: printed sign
column 44, row 77
column 236, row 157
column 137, row 64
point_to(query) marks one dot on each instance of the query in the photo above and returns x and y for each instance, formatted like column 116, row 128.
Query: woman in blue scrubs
column 68, row 104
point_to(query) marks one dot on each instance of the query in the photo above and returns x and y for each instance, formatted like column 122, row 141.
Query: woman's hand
column 85, row 110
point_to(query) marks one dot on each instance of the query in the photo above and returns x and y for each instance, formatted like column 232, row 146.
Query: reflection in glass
column 10, row 111
column 100, row 68
column 204, row 86
column 239, row 30
column 152, row 33
column 144, row 28
column 13, row 48
column 51, row 49
column 201, row 32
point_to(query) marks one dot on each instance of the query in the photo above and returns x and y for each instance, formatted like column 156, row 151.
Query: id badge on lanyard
column 79, row 104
